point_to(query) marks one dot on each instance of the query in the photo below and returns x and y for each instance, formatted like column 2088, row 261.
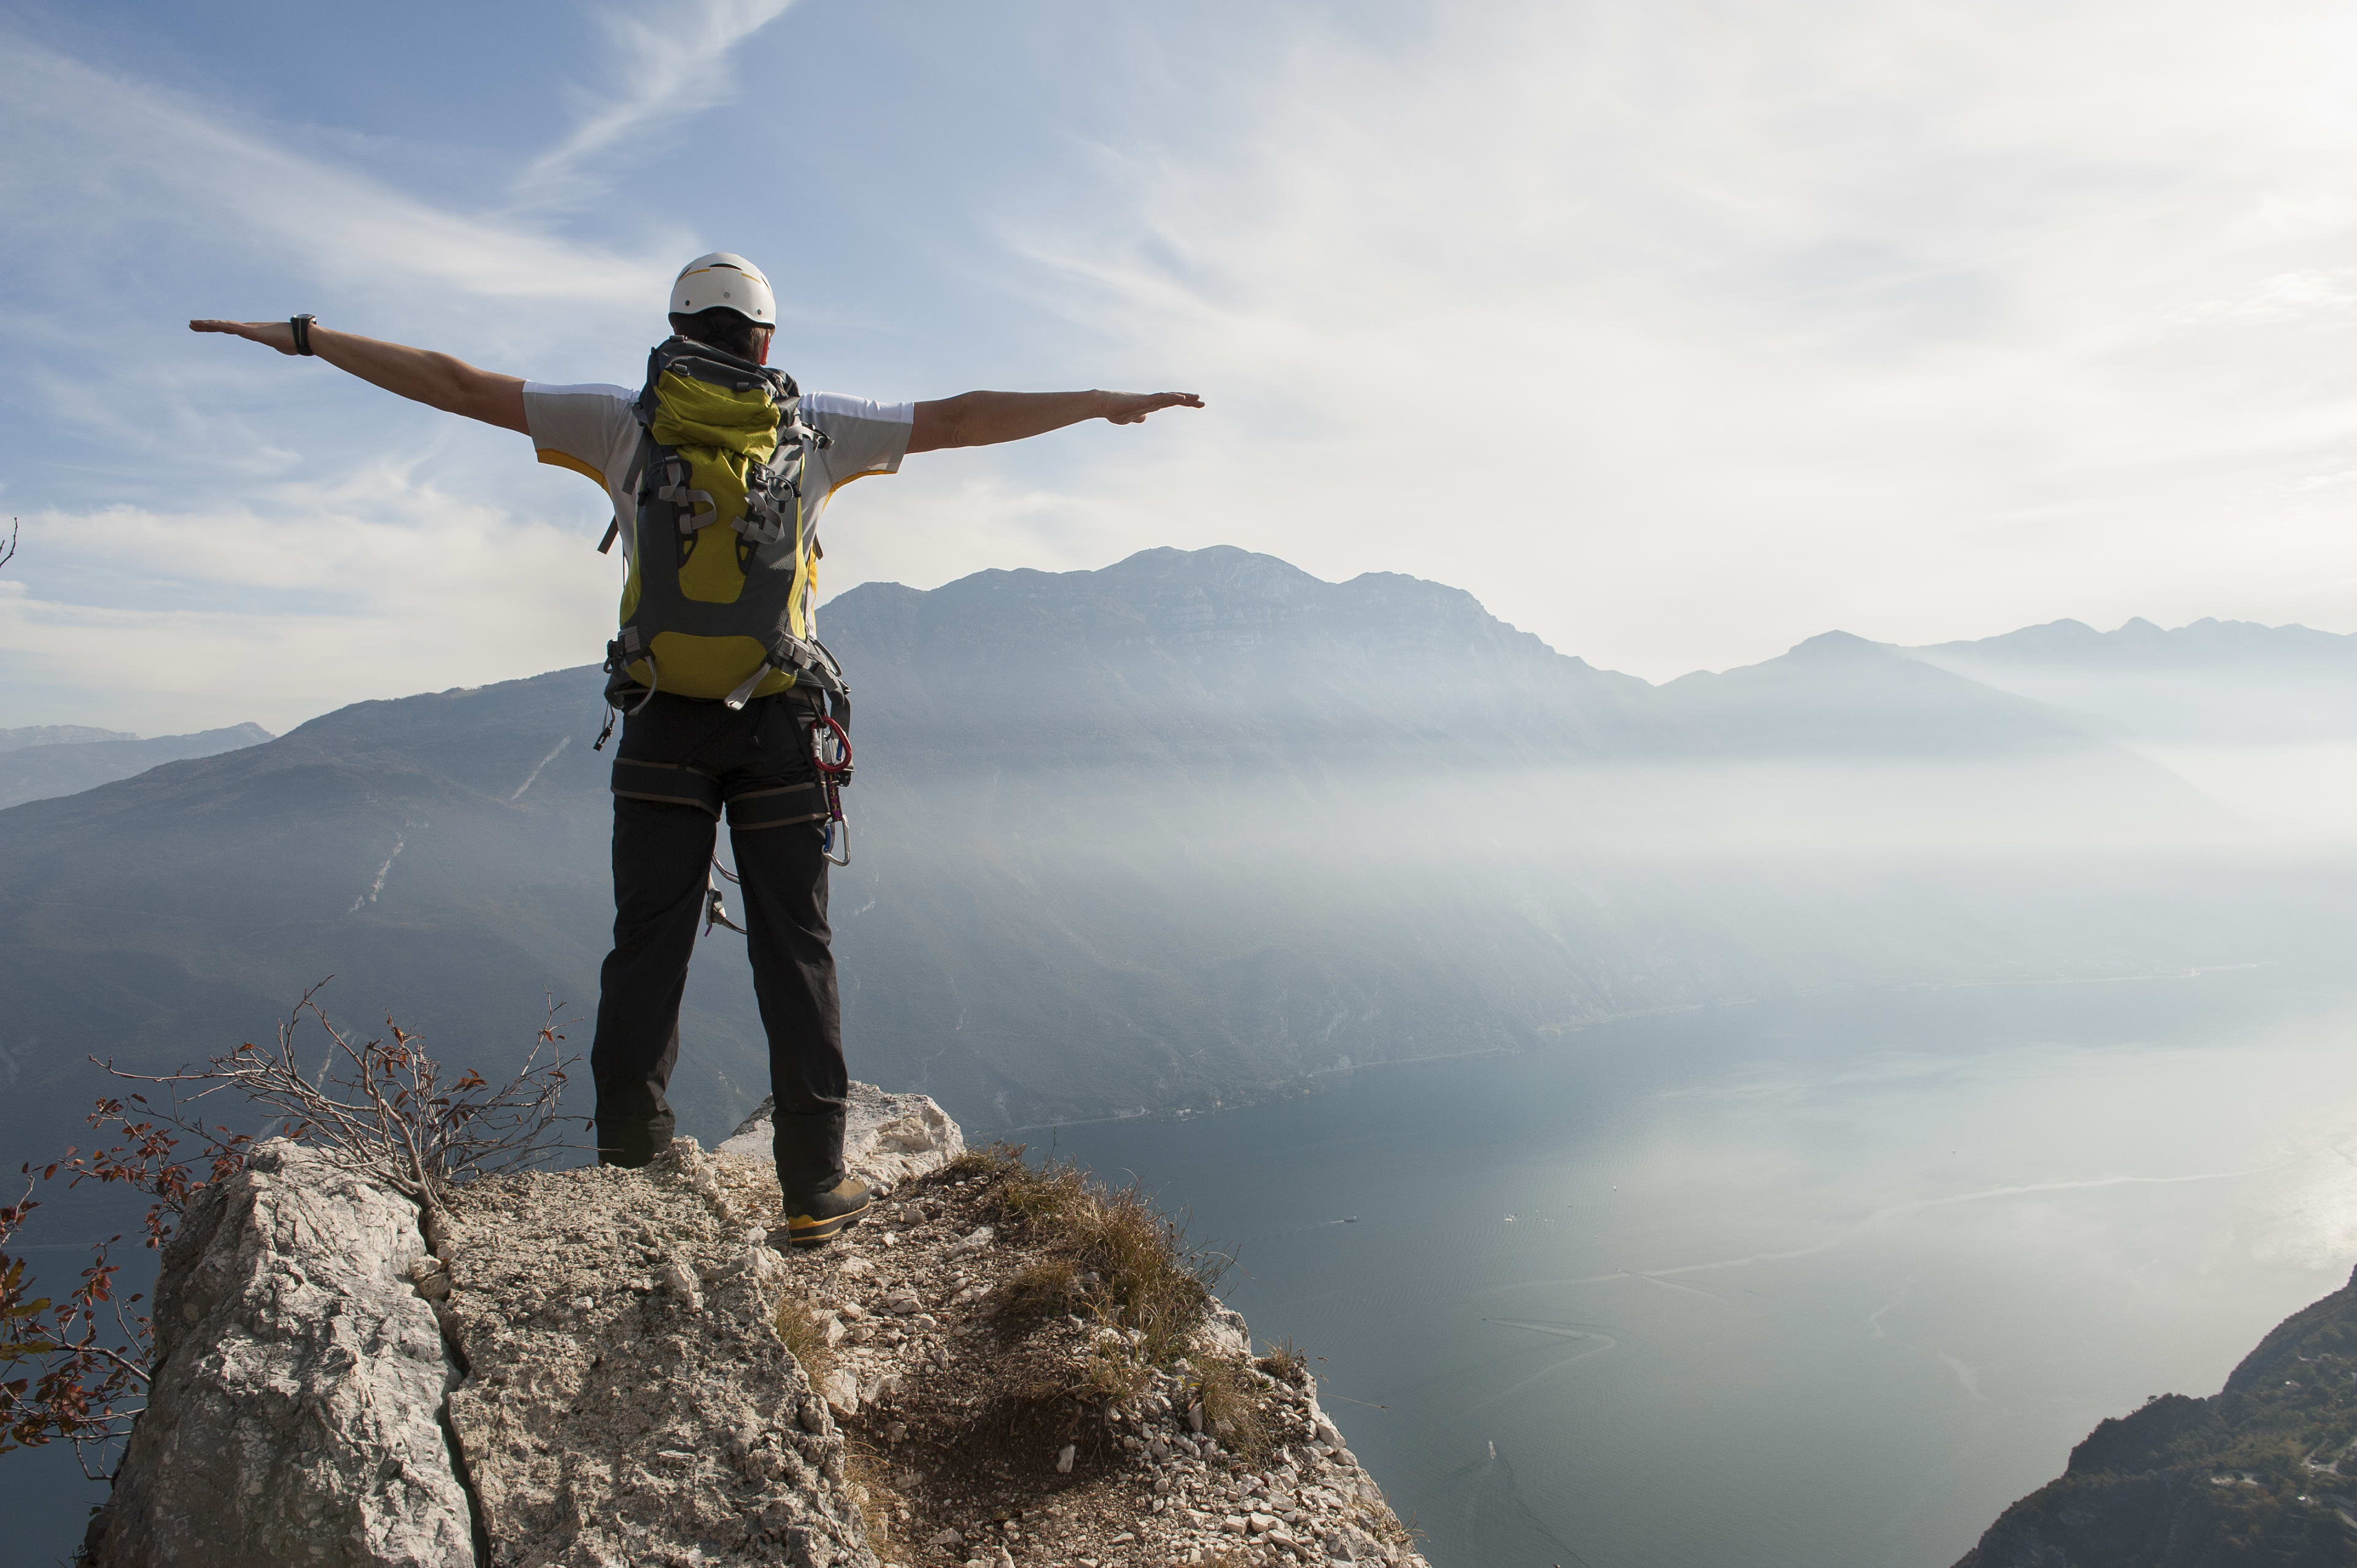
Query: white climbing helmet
column 727, row 279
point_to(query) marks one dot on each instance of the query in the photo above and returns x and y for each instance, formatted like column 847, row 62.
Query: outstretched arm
column 986, row 418
column 437, row 380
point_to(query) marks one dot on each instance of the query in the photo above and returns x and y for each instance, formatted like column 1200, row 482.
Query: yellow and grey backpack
column 724, row 555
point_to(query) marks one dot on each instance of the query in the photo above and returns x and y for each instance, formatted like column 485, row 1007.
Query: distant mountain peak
column 2212, row 679
column 1844, row 645
column 1227, row 563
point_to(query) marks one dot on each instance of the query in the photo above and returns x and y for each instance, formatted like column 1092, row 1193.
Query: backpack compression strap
column 808, row 657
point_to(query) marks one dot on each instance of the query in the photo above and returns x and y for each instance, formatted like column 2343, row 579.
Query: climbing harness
column 831, row 759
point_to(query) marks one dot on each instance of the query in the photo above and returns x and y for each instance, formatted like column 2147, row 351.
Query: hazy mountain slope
column 57, row 735
column 1216, row 654
column 2256, row 1473
column 41, row 770
column 2212, row 680
column 1200, row 823
column 1838, row 695
column 167, row 916
column 1173, row 833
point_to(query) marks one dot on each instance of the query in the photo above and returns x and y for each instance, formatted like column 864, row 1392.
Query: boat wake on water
column 1495, row 1525
column 1589, row 1342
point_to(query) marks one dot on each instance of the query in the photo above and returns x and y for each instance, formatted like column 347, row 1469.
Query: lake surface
column 1824, row 1284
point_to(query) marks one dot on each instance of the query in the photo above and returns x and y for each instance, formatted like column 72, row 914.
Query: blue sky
column 1676, row 333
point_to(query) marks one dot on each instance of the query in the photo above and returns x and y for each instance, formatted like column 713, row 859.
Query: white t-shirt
column 591, row 430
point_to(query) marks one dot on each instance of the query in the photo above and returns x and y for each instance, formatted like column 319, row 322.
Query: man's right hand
column 278, row 335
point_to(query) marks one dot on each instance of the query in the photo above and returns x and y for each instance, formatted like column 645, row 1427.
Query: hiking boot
column 819, row 1218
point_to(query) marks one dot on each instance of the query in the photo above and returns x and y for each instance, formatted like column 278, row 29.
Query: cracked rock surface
column 627, row 1401
column 596, row 1353
column 295, row 1413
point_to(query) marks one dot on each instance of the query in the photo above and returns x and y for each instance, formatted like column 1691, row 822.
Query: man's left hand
column 1129, row 408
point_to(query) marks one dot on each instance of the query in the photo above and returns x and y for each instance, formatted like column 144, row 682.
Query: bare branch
column 382, row 1105
column 381, row 1108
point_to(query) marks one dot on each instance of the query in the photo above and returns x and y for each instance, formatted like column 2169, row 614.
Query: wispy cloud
column 1678, row 335
column 666, row 67
column 94, row 158
column 304, row 599
column 2283, row 297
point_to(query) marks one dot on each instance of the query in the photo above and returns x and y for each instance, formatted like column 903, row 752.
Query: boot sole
column 803, row 1231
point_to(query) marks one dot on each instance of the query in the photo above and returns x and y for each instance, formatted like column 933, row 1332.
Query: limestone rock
column 664, row 1424
column 887, row 1140
column 628, row 1398
column 1224, row 1332
column 295, row 1416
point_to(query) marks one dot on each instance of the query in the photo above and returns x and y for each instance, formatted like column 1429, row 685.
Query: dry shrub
column 1231, row 1410
column 803, row 1329
column 1385, row 1525
column 875, row 1498
column 1286, row 1363
column 995, row 1160
column 384, row 1109
column 81, row 1360
column 1114, row 1380
column 1046, row 1288
column 1145, row 1276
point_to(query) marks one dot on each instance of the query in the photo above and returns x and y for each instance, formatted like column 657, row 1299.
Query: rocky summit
column 601, row 1367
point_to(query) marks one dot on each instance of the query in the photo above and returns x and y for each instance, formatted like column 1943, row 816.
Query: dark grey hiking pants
column 677, row 763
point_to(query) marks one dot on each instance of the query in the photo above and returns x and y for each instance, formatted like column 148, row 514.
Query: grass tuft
column 1116, row 1379
column 995, row 1160
column 1132, row 1266
column 875, row 1498
column 1045, row 1289
column 803, row 1329
column 1287, row 1363
column 1231, row 1410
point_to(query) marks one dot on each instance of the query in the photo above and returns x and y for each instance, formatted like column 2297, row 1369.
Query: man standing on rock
column 724, row 686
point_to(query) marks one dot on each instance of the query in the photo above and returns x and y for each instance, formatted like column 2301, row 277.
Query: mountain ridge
column 1191, row 830
column 44, row 769
column 2251, row 1474
column 2211, row 680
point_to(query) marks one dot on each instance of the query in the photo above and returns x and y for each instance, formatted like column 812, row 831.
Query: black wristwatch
column 302, row 324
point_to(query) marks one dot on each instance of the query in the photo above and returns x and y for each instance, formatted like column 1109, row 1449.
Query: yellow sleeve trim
column 555, row 459
column 863, row 474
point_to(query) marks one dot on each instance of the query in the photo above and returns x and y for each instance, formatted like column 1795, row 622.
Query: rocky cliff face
column 591, row 1369
column 295, row 1413
column 2264, row 1471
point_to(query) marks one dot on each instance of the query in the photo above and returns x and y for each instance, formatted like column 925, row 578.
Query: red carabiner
column 824, row 732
